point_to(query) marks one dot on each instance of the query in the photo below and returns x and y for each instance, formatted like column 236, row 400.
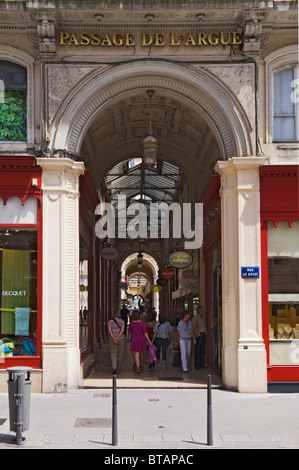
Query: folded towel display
column 22, row 317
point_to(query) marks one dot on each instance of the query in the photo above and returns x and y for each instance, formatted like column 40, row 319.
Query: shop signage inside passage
column 167, row 273
column 180, row 259
column 157, row 39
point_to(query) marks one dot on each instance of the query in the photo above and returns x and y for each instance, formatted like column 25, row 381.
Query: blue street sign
column 250, row 272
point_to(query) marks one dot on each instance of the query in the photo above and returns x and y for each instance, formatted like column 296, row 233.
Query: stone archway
column 244, row 352
column 202, row 90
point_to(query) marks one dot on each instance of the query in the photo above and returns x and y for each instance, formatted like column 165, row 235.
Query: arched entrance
column 201, row 126
column 140, row 281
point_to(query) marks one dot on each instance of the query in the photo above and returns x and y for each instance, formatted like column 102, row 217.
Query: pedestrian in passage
column 150, row 324
column 184, row 338
column 116, row 327
column 200, row 335
column 124, row 316
column 162, row 331
column 139, row 335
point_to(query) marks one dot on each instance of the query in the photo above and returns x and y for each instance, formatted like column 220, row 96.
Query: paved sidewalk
column 156, row 419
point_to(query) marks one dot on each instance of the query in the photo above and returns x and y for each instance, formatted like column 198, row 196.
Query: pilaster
column 60, row 341
column 244, row 355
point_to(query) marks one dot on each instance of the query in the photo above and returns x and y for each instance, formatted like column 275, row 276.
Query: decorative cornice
column 280, row 171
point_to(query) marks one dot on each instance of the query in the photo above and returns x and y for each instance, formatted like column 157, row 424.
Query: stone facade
column 212, row 64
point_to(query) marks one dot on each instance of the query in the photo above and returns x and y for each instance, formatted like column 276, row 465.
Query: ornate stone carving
column 46, row 32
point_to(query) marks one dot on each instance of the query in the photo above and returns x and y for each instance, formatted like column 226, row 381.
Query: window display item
column 284, row 331
column 22, row 316
column 296, row 331
column 6, row 347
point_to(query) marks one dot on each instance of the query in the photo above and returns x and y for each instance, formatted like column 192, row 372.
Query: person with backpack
column 116, row 328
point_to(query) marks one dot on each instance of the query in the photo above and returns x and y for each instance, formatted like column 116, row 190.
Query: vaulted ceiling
column 184, row 137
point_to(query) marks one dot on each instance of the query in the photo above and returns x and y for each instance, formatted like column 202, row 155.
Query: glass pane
column 283, row 274
column 13, row 75
column 18, row 292
column 13, row 212
column 284, row 128
column 282, row 92
column 283, row 240
column 284, row 352
column 284, row 108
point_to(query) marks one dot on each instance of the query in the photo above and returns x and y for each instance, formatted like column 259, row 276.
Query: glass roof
column 137, row 183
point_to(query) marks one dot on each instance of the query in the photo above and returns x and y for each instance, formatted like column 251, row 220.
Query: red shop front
column 20, row 262
column 280, row 273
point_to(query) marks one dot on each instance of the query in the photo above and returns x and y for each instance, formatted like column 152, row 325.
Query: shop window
column 13, row 104
column 18, row 291
column 283, row 279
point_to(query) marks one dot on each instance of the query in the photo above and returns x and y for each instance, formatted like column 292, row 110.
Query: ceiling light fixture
column 139, row 260
column 150, row 144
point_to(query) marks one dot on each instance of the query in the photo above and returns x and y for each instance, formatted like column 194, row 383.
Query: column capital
column 240, row 173
column 240, row 163
column 53, row 164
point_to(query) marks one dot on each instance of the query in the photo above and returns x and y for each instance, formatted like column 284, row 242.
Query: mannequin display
column 284, row 332
column 296, row 331
column 271, row 332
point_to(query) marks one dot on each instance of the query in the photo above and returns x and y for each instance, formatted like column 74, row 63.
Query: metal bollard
column 19, row 388
column 114, row 414
column 209, row 414
column 19, row 398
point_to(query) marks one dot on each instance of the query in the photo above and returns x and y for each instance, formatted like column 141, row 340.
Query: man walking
column 200, row 334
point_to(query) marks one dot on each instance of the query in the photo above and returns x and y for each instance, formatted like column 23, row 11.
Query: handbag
column 176, row 362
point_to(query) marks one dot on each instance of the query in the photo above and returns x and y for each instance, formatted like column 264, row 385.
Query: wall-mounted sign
column 155, row 39
column 252, row 272
column 123, row 285
column 156, row 288
column 167, row 273
column 109, row 252
column 180, row 259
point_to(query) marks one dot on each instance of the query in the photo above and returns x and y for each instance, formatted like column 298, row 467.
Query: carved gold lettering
column 129, row 39
column 85, row 40
column 190, row 41
column 122, row 39
column 95, row 39
column 147, row 39
column 159, row 39
column 106, row 40
column 173, row 41
column 237, row 38
column 73, row 40
column 63, row 37
column 222, row 38
column 118, row 39
column 202, row 39
column 213, row 39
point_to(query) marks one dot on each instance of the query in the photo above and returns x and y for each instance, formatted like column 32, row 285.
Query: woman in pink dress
column 138, row 331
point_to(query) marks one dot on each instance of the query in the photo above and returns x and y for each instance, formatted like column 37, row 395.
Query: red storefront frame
column 279, row 190
column 19, row 176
